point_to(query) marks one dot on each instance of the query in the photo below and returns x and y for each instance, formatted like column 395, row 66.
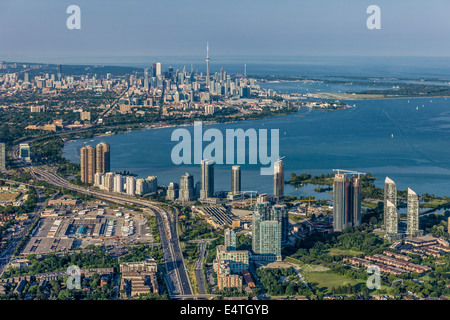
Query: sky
column 35, row 30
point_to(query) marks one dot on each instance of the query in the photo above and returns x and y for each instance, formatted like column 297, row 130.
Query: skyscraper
column 158, row 69
column 109, row 181
column 207, row 179
column 99, row 180
column 346, row 202
column 131, row 185
column 172, row 191
column 230, row 240
column 267, row 232
column 87, row 164
column 207, row 64
column 412, row 225
column 103, row 158
column 187, row 188
column 2, row 157
column 279, row 212
column 390, row 219
column 339, row 199
column 59, row 72
column 152, row 184
column 146, row 75
column 235, row 179
column 260, row 213
column 278, row 179
column 356, row 201
column 390, row 192
column 141, row 187
column 390, row 208
column 118, row 183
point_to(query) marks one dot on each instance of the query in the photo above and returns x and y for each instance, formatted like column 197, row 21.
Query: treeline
column 94, row 258
column 278, row 282
column 27, row 207
column 323, row 179
column 317, row 245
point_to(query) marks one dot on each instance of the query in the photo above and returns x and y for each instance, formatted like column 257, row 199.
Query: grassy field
column 305, row 267
column 327, row 280
column 322, row 276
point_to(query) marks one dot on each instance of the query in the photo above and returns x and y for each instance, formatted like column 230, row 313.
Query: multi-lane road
column 177, row 278
column 199, row 268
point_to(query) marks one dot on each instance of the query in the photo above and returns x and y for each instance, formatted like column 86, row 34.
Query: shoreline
column 361, row 97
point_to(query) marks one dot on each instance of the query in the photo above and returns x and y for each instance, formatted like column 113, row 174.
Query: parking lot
column 98, row 226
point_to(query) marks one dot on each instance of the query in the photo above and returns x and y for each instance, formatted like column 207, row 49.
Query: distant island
column 325, row 105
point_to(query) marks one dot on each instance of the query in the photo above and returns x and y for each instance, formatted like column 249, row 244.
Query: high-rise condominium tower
column 390, row 191
column 131, row 185
column 346, row 202
column 269, row 227
column 412, row 223
column 278, row 179
column 207, row 179
column 390, row 208
column 87, row 164
column 109, row 181
column 230, row 239
column 186, row 188
column 235, row 179
column 103, row 158
column 118, row 183
column 390, row 219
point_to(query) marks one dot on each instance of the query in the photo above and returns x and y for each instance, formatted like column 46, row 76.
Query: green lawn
column 326, row 280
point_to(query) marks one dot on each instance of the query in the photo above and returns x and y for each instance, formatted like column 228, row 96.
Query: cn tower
column 207, row 64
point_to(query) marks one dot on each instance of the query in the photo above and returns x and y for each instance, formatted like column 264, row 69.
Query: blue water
column 384, row 137
column 418, row 155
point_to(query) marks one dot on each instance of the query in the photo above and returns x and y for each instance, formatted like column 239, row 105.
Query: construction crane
column 309, row 203
column 348, row 172
column 251, row 194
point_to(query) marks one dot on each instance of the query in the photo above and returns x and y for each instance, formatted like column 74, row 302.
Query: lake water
column 405, row 139
column 360, row 138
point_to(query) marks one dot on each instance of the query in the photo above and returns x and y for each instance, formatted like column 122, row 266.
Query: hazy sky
column 37, row 28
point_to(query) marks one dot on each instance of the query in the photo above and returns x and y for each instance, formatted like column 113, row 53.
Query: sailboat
column 392, row 136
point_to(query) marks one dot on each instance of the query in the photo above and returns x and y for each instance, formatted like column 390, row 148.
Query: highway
column 199, row 268
column 178, row 280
